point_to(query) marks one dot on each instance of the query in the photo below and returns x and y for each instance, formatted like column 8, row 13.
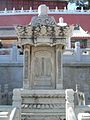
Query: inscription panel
column 43, row 68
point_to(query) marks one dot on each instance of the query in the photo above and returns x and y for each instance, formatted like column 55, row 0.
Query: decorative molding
column 42, row 117
column 44, row 27
column 43, row 20
column 43, row 106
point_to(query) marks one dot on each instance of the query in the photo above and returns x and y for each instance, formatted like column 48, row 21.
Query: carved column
column 26, row 81
column 59, row 71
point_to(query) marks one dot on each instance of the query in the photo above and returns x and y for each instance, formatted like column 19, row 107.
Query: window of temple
column 8, row 43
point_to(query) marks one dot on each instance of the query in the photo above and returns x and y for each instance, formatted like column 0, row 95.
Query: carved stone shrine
column 43, row 41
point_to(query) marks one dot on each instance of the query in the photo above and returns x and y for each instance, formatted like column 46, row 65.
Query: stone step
column 43, row 106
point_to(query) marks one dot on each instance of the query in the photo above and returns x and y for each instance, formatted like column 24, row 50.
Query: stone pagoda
column 43, row 41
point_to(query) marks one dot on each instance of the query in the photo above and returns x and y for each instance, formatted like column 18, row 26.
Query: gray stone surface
column 11, row 74
column 74, row 73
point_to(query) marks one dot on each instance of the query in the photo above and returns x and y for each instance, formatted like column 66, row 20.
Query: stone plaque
column 43, row 68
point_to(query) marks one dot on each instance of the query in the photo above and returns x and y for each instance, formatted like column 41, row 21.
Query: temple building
column 80, row 35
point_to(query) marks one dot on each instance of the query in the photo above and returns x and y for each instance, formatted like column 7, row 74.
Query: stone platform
column 42, row 104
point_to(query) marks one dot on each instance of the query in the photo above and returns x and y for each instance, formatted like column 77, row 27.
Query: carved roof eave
column 42, row 35
column 50, row 42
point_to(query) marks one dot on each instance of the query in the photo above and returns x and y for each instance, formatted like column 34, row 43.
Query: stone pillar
column 77, row 51
column 59, row 71
column 69, row 102
column 14, row 53
column 26, row 81
column 69, row 42
column 17, row 100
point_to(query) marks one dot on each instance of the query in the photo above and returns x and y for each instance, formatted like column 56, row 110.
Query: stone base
column 40, row 104
column 44, row 117
column 43, row 104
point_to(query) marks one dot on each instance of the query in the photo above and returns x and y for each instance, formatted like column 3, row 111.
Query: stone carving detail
column 61, row 31
column 32, row 35
column 20, row 30
column 44, row 30
column 29, row 30
column 43, row 20
column 41, row 65
column 26, row 65
column 59, row 65
column 42, row 117
column 43, row 106
column 42, row 68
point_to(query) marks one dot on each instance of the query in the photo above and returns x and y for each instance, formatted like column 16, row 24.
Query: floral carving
column 29, row 30
column 42, row 26
column 43, row 20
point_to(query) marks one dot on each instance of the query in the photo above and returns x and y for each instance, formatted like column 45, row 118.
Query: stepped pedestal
column 42, row 104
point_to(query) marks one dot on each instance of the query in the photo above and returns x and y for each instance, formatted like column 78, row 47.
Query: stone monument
column 43, row 41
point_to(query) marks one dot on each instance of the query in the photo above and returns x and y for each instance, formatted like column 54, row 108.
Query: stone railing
column 70, row 55
column 76, row 54
column 11, row 55
column 15, row 114
column 70, row 113
column 9, row 113
column 51, row 11
column 76, row 112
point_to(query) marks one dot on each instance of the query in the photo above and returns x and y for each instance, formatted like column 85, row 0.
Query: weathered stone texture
column 77, row 74
column 11, row 74
column 73, row 74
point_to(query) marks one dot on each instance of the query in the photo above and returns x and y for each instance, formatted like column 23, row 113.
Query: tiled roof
column 78, row 32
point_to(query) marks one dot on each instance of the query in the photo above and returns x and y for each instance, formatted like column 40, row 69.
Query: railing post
column 69, row 103
column 14, row 53
column 17, row 100
column 77, row 51
column 69, row 43
column 56, row 9
column 30, row 9
column 5, row 11
column 14, row 10
column 22, row 9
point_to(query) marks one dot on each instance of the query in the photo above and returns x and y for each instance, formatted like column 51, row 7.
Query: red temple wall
column 18, row 4
column 82, row 19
